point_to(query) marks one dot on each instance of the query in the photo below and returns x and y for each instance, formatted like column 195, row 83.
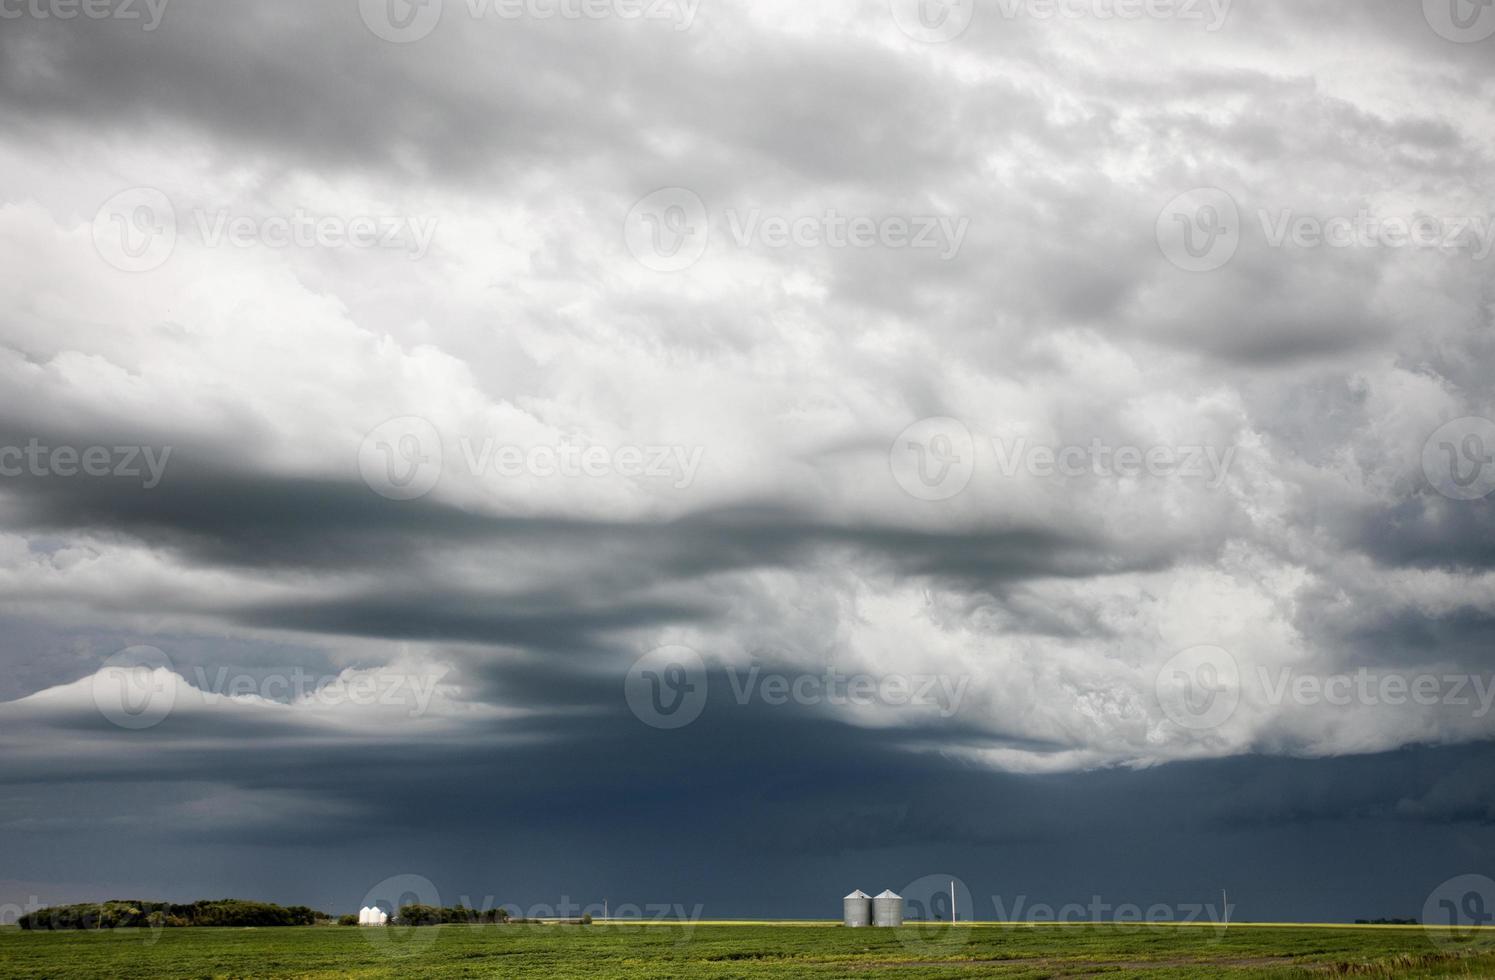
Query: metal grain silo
column 856, row 909
column 887, row 910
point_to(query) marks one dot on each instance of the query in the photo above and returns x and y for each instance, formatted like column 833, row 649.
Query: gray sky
column 1085, row 415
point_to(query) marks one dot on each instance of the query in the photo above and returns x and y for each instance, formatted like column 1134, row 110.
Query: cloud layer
column 511, row 351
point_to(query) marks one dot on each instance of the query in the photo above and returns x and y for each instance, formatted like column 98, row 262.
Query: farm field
column 745, row 950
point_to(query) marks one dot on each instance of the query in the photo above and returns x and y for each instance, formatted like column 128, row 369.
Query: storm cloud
column 397, row 385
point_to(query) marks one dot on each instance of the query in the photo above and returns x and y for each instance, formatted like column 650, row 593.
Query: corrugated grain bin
column 887, row 910
column 856, row 909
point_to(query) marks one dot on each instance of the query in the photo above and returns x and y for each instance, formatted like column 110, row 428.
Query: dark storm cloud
column 521, row 620
column 1424, row 531
column 301, row 79
column 219, row 516
column 310, row 82
column 261, row 551
column 852, row 807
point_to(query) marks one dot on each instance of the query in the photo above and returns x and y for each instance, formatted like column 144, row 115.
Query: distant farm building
column 858, row 910
column 373, row 916
column 887, row 910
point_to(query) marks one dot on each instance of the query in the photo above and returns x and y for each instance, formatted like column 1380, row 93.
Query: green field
column 747, row 950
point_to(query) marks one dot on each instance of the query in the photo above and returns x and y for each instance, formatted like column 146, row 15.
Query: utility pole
column 953, row 915
column 1225, row 901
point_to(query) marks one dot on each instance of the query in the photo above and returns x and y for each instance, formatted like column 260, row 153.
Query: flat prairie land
column 751, row 950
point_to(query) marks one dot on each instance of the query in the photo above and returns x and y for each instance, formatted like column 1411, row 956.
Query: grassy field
column 600, row 951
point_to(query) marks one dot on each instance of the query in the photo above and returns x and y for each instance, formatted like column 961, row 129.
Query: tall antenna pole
column 953, row 915
column 1226, row 903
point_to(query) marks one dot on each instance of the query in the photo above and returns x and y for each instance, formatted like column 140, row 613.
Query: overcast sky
column 431, row 432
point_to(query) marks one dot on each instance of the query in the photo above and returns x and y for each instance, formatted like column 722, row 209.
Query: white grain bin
column 856, row 910
column 887, row 910
column 363, row 916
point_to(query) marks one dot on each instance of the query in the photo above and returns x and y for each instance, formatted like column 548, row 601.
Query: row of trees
column 431, row 915
column 120, row 914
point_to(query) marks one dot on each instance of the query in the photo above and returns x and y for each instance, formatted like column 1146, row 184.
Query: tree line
column 128, row 914
column 125, row 914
